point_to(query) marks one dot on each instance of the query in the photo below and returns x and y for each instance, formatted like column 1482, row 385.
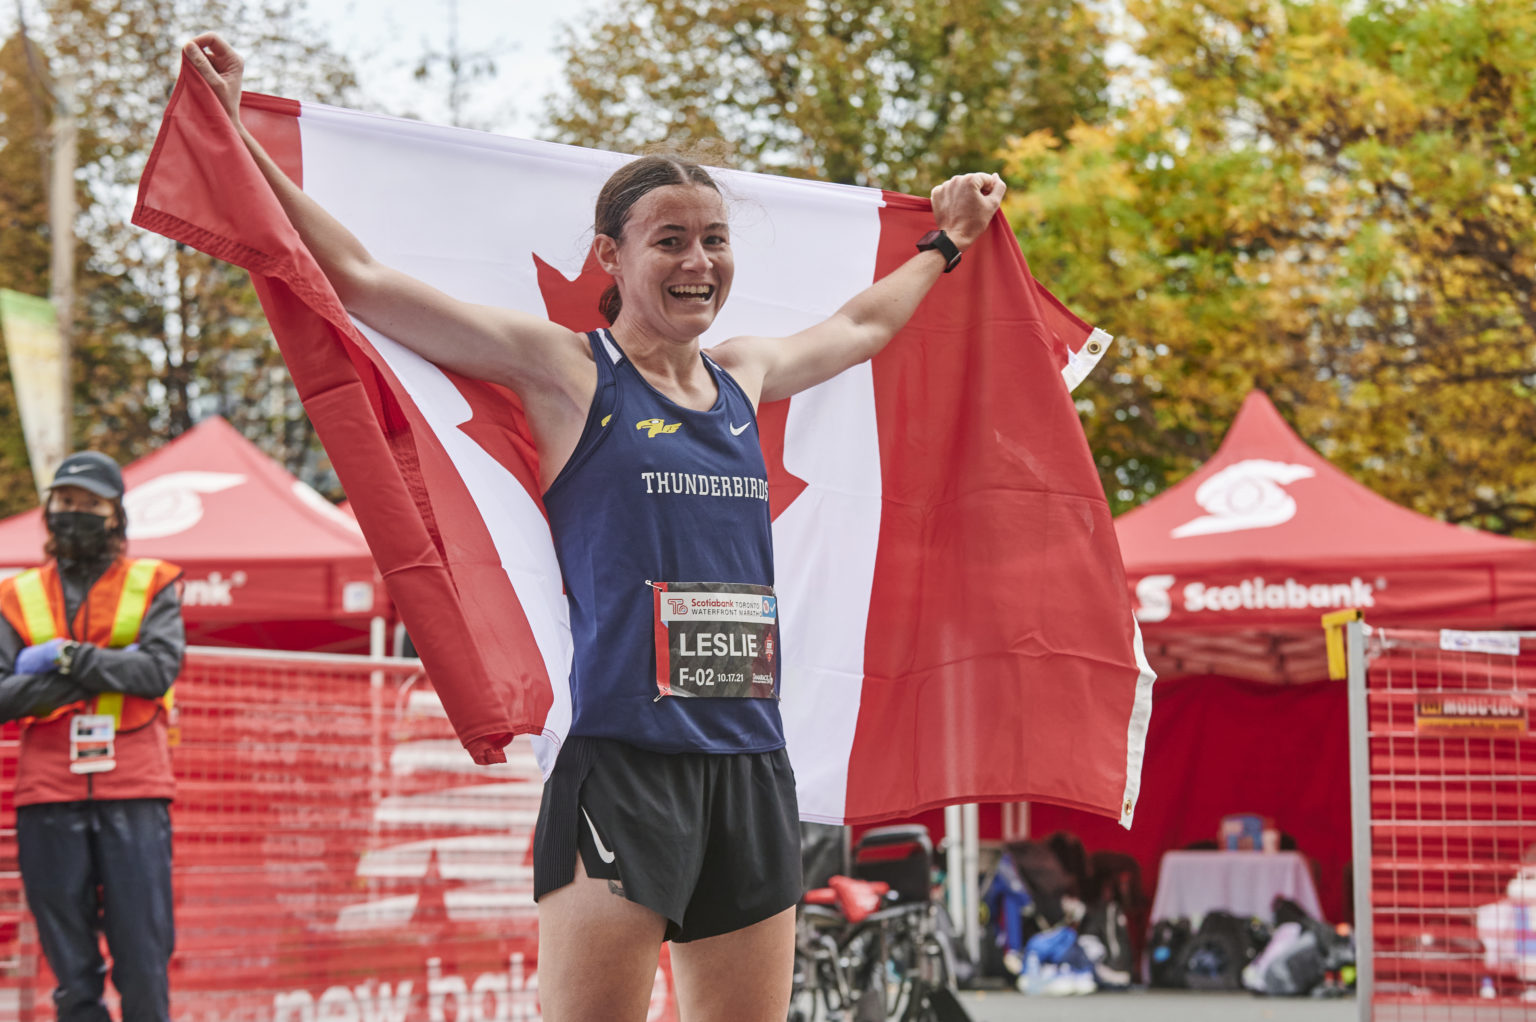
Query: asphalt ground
column 1153, row 1006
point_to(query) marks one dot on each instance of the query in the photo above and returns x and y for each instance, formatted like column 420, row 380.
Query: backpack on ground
column 1216, row 955
column 1165, row 952
column 1106, row 935
column 1291, row 966
column 1337, row 951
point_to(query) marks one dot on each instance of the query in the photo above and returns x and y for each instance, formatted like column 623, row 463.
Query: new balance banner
column 954, row 616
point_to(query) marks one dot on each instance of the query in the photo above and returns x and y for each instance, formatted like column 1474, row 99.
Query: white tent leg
column 970, row 814
column 954, row 867
column 377, row 631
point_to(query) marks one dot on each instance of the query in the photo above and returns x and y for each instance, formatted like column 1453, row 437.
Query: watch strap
column 940, row 242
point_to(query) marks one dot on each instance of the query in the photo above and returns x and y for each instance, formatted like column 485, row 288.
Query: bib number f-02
column 716, row 639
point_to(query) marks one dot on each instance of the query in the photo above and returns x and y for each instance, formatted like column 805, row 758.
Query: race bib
column 91, row 743
column 715, row 639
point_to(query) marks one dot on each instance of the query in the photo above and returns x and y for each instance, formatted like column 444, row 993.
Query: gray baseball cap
column 93, row 471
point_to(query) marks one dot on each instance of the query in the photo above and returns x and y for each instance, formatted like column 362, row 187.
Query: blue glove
column 40, row 658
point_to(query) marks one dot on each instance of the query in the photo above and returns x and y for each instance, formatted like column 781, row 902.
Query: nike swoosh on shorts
column 602, row 849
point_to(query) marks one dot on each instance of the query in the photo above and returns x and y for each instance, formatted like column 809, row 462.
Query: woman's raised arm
column 547, row 365
column 771, row 368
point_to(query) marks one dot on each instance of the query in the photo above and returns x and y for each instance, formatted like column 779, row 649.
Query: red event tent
column 268, row 561
column 1232, row 570
column 1233, row 567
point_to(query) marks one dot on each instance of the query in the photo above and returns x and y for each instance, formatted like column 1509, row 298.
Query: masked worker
column 89, row 646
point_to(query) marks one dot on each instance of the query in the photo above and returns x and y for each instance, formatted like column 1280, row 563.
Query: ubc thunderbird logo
column 1246, row 495
column 655, row 426
column 171, row 503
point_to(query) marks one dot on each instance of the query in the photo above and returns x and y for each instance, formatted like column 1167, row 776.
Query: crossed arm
column 146, row 671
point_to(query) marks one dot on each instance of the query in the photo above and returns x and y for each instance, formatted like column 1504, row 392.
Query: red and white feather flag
column 954, row 613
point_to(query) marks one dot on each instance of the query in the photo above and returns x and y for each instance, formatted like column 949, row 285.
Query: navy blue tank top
column 655, row 491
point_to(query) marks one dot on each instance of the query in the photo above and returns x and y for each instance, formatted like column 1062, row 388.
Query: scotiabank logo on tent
column 1155, row 596
column 1247, row 495
column 172, row 503
column 215, row 589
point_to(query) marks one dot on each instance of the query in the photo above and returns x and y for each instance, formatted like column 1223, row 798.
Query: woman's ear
column 607, row 251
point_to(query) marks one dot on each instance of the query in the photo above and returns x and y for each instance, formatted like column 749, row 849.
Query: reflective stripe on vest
column 36, row 611
column 132, row 603
column 131, row 607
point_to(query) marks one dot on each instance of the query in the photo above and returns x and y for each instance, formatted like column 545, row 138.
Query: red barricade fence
column 1451, row 877
column 338, row 855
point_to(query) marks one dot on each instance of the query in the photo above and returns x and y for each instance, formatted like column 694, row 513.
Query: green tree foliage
column 1330, row 200
column 164, row 336
column 895, row 93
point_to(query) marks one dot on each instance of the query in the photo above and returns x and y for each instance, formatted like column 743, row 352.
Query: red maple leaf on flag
column 573, row 303
column 506, row 437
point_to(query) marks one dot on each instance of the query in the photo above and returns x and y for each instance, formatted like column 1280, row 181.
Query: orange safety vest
column 110, row 616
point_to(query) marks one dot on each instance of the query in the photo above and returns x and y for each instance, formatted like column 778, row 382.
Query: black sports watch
column 66, row 658
column 946, row 248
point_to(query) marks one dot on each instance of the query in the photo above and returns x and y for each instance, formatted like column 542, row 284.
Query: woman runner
column 665, row 818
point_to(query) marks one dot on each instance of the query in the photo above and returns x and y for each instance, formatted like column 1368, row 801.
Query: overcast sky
column 385, row 39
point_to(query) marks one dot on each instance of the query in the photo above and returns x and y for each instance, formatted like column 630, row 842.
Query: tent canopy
column 1232, row 568
column 267, row 560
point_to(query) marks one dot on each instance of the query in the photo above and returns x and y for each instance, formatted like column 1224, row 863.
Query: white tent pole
column 971, row 823
column 954, row 866
column 377, row 631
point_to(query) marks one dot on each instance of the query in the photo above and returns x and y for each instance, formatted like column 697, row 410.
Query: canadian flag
column 954, row 613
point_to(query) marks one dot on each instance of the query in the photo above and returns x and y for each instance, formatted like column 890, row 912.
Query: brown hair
column 628, row 185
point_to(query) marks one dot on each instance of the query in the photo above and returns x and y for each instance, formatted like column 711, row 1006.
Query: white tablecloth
column 1243, row 883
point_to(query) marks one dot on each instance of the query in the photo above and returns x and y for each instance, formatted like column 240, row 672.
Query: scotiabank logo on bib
column 1156, row 594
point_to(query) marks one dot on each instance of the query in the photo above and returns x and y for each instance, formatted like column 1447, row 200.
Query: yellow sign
column 31, row 332
column 1462, row 713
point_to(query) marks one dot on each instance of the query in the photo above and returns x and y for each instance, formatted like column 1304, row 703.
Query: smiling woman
column 670, row 812
column 676, row 196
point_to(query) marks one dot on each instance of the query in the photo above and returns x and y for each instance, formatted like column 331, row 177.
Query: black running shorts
column 709, row 841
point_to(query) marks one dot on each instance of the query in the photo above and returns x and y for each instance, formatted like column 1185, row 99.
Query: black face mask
column 78, row 535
